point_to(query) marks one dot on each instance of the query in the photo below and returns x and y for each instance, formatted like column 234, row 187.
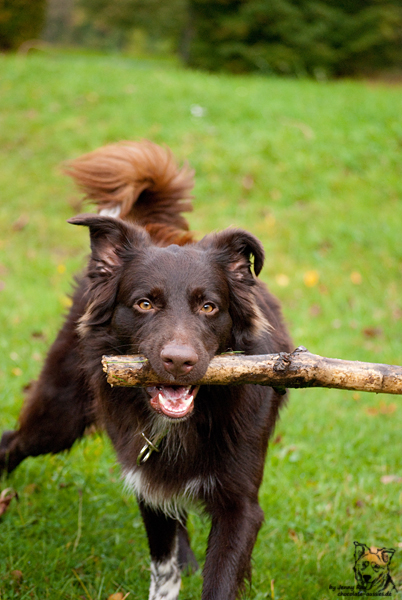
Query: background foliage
column 20, row 20
column 320, row 38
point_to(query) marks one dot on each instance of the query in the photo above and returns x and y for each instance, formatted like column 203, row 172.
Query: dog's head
column 177, row 305
column 372, row 567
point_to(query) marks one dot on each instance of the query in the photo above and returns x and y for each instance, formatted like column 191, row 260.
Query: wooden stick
column 299, row 369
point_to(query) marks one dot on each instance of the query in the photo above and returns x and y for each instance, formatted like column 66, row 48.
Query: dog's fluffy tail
column 140, row 182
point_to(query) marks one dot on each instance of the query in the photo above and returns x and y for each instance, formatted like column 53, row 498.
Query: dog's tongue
column 173, row 401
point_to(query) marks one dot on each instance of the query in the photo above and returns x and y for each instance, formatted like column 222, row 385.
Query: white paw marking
column 165, row 579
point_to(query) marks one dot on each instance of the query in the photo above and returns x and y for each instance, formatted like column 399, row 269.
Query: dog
column 372, row 569
column 151, row 289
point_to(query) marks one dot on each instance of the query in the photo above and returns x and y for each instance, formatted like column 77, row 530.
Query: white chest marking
column 173, row 505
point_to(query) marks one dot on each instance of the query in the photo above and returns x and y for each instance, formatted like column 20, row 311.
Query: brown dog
column 150, row 289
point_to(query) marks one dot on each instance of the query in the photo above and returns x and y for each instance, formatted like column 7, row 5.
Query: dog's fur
column 150, row 289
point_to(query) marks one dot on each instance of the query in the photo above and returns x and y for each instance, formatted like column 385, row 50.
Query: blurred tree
column 59, row 21
column 20, row 21
column 118, row 18
column 322, row 38
column 319, row 37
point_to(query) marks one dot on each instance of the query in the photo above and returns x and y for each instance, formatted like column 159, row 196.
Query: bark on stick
column 299, row 369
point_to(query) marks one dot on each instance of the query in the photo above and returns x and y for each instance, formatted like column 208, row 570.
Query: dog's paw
column 187, row 562
column 10, row 455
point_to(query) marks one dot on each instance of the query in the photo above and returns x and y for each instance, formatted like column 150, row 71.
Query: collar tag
column 149, row 447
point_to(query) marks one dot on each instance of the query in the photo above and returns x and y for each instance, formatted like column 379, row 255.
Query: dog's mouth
column 173, row 401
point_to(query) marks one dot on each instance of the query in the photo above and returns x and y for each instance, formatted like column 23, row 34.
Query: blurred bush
column 20, row 21
column 318, row 37
column 146, row 25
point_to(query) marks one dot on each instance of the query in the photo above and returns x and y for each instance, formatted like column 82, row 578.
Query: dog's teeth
column 160, row 398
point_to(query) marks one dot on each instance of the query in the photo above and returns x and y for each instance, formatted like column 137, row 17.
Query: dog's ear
column 360, row 549
column 111, row 240
column 386, row 554
column 235, row 249
column 113, row 243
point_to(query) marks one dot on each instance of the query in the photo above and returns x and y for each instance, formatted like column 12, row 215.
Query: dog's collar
column 149, row 447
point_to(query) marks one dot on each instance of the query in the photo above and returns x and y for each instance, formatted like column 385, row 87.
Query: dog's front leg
column 231, row 540
column 162, row 532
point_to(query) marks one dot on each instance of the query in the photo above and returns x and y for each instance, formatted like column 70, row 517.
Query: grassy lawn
column 314, row 170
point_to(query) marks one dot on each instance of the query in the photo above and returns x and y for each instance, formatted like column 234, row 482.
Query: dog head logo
column 372, row 569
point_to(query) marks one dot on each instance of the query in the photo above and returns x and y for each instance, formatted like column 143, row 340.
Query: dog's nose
column 178, row 359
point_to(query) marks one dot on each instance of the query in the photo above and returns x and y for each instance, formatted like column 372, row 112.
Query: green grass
column 314, row 170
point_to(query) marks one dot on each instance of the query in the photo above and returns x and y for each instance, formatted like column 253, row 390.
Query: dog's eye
column 144, row 305
column 208, row 308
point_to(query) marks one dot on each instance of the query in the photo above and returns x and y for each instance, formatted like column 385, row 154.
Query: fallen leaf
column 38, row 335
column 324, row 247
column 311, row 278
column 31, row 113
column 282, row 280
column 20, row 223
column 247, row 182
column 385, row 479
column 293, row 535
column 372, row 332
column 383, row 408
column 356, row 278
column 387, row 409
column 17, row 576
column 397, row 314
column 118, row 596
column 315, row 310
column 5, row 498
